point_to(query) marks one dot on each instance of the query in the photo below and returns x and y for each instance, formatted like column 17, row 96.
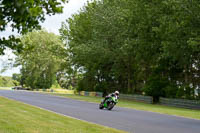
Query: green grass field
column 188, row 113
column 16, row 117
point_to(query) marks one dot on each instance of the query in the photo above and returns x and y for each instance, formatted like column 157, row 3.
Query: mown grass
column 188, row 113
column 5, row 88
column 16, row 117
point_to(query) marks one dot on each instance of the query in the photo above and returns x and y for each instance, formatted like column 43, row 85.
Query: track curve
column 129, row 120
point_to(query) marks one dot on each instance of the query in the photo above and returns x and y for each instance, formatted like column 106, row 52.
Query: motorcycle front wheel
column 110, row 106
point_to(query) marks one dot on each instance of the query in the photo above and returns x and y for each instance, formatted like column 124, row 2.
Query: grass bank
column 188, row 113
column 16, row 117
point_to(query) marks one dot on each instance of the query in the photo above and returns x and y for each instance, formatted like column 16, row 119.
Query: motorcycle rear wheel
column 101, row 106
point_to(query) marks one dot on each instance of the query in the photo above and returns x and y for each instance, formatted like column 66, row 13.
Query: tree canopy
column 134, row 46
column 40, row 59
column 24, row 16
column 137, row 46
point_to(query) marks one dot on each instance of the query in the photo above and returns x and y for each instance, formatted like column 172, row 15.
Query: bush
column 7, row 81
column 171, row 91
column 86, row 84
column 186, row 93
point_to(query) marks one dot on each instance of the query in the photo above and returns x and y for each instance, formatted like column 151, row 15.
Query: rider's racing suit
column 111, row 95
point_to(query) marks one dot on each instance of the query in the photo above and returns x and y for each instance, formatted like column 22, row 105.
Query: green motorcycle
column 109, row 103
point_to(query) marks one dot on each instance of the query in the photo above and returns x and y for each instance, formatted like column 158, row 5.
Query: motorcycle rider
column 115, row 94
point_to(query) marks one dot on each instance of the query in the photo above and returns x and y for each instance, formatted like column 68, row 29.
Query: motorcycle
column 109, row 103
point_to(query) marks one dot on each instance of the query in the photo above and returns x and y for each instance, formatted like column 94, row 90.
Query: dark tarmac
column 130, row 120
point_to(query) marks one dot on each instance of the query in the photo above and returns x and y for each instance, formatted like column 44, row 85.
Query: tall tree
column 40, row 59
column 137, row 44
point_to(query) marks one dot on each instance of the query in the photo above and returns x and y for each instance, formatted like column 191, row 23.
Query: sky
column 51, row 24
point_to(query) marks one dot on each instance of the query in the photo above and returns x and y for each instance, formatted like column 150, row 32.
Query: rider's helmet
column 117, row 93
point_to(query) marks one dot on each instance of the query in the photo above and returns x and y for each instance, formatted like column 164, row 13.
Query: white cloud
column 53, row 23
column 8, row 32
column 6, row 61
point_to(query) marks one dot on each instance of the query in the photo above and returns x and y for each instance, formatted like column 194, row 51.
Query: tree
column 7, row 81
column 41, row 58
column 98, row 51
column 17, row 77
column 24, row 16
column 130, row 45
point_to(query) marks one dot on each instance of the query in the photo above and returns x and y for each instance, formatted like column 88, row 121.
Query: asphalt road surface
column 130, row 120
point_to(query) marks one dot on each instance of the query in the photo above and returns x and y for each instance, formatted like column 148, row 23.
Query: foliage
column 68, row 81
column 56, row 85
column 129, row 45
column 155, row 87
column 17, row 77
column 8, row 82
column 24, row 15
column 41, row 58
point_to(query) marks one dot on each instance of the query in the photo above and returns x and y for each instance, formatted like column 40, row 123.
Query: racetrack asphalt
column 130, row 120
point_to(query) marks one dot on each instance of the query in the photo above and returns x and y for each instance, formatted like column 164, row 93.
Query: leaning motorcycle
column 109, row 103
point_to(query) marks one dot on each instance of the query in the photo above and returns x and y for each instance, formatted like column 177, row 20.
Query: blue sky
column 51, row 24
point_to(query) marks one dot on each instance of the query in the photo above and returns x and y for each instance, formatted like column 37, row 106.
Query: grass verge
column 16, row 117
column 188, row 113
column 5, row 88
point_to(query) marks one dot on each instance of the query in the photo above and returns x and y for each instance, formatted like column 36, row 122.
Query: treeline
column 6, row 81
column 137, row 46
column 134, row 46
